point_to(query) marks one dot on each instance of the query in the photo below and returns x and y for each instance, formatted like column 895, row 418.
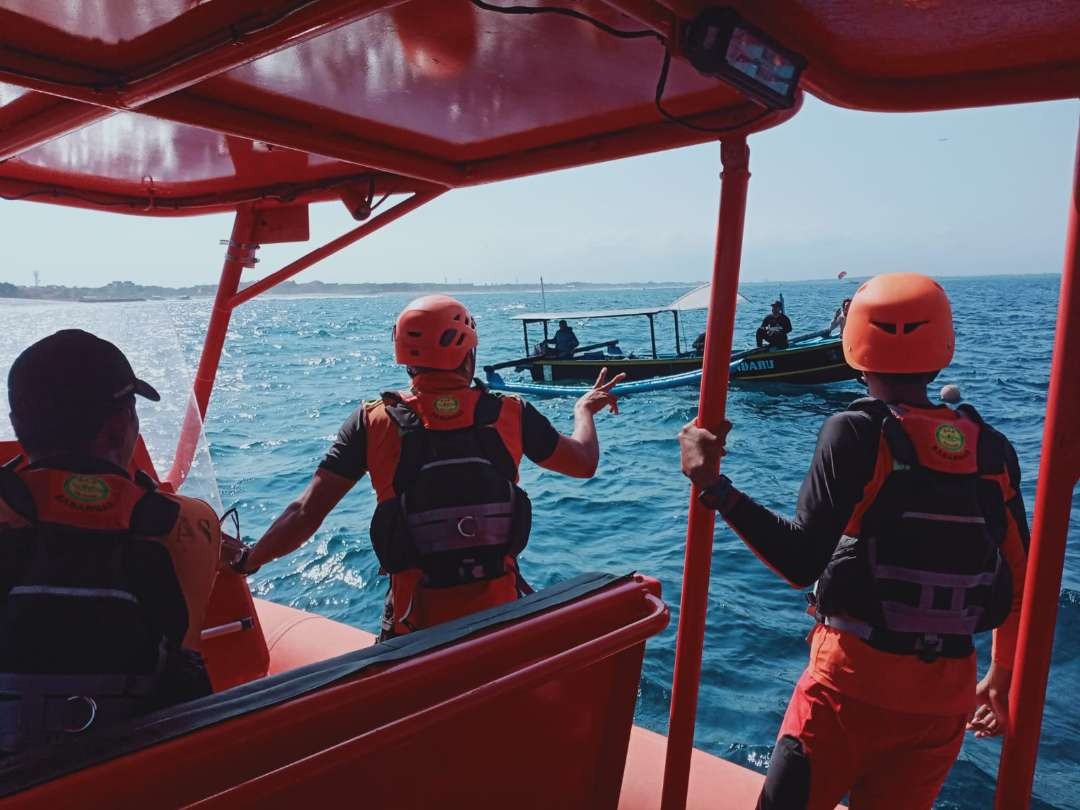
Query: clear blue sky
column 966, row 192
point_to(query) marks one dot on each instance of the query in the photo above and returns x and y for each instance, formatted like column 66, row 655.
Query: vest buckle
column 91, row 708
column 929, row 647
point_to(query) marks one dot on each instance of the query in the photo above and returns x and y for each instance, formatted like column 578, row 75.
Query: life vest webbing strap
column 907, row 619
column 976, row 519
column 933, row 579
column 82, row 593
column 35, row 708
column 16, row 684
column 452, row 461
column 853, row 626
column 927, row 646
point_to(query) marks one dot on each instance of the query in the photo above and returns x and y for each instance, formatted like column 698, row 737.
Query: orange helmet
column 435, row 331
column 899, row 323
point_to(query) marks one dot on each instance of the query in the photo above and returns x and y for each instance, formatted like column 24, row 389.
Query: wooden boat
column 810, row 359
column 262, row 108
column 586, row 361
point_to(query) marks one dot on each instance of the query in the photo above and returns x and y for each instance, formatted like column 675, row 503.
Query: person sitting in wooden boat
column 911, row 522
column 93, row 616
column 774, row 329
column 443, row 459
column 564, row 342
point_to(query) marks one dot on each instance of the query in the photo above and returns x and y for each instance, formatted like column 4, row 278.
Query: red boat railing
column 256, row 792
column 1058, row 473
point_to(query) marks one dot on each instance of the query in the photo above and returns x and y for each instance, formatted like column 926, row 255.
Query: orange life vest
column 78, row 645
column 919, row 568
column 450, row 519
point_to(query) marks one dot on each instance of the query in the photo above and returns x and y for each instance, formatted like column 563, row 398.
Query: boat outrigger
column 809, row 359
column 262, row 108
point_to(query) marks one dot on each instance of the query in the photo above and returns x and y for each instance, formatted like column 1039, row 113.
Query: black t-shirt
column 347, row 456
column 781, row 320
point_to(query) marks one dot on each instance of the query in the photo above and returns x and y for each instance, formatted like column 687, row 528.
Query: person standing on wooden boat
column 443, row 458
column 911, row 523
column 101, row 575
column 775, row 328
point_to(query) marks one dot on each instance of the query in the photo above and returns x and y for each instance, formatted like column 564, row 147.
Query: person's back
column 910, row 522
column 450, row 520
column 92, row 618
column 443, row 459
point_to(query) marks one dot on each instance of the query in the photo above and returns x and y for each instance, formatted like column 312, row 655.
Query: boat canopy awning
column 538, row 317
column 697, row 298
column 170, row 107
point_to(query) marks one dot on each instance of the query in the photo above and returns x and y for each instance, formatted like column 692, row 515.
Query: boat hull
column 810, row 363
column 635, row 368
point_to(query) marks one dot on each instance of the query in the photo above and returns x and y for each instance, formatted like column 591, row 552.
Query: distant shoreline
column 122, row 291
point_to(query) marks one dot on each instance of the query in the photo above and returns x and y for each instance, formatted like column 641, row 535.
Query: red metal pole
column 343, row 241
column 240, row 253
column 735, row 156
column 1058, row 474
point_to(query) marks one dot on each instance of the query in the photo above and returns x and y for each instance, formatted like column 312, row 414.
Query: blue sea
column 294, row 368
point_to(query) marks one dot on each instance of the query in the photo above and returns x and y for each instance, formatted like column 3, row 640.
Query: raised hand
column 600, row 396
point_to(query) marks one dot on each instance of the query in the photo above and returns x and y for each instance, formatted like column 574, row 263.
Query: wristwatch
column 720, row 495
column 239, row 563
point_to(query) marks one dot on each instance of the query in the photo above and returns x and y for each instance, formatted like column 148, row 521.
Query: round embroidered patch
column 447, row 406
column 949, row 439
column 86, row 488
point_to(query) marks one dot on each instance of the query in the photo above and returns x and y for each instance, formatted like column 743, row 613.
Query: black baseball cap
column 778, row 304
column 72, row 370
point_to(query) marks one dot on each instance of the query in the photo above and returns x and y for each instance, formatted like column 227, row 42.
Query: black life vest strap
column 15, row 492
column 900, row 444
column 990, row 452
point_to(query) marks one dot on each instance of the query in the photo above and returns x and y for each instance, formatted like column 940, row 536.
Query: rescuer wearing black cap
column 93, row 616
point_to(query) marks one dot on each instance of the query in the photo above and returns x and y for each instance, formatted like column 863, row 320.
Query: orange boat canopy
column 173, row 107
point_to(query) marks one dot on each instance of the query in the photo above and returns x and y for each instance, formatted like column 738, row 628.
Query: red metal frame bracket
column 314, row 257
column 240, row 254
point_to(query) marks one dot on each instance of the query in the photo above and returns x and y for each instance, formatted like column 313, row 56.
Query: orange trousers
column 830, row 746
